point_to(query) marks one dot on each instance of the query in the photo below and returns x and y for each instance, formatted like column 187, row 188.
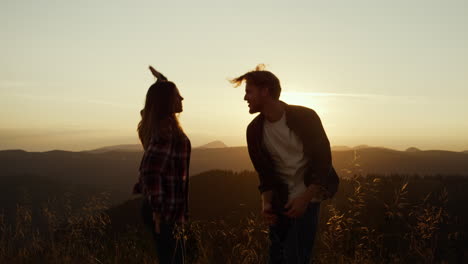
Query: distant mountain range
column 345, row 148
column 138, row 147
column 220, row 144
column 118, row 166
column 125, row 148
column 115, row 169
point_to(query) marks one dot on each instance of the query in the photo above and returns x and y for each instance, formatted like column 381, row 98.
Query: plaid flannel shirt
column 164, row 176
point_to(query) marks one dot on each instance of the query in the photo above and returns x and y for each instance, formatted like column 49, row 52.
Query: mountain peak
column 361, row 147
column 341, row 148
column 412, row 149
column 214, row 144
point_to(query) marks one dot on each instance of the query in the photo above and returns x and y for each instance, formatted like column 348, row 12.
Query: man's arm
column 267, row 197
column 253, row 147
column 267, row 209
column 317, row 149
column 264, row 172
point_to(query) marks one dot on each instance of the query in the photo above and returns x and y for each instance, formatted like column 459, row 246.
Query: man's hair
column 262, row 79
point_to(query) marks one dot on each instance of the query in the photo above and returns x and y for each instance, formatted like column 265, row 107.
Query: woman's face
column 178, row 102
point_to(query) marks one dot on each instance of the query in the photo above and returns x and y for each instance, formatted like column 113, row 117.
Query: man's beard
column 253, row 109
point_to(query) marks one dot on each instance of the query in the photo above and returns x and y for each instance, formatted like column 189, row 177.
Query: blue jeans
column 292, row 240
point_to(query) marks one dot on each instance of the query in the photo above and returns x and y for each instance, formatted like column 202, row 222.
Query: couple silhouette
column 288, row 148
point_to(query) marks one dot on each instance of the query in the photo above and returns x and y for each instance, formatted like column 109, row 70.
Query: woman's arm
column 152, row 166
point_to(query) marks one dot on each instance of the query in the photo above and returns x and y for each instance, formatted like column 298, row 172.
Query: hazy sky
column 73, row 74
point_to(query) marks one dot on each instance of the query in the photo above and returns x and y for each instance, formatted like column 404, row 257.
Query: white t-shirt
column 286, row 150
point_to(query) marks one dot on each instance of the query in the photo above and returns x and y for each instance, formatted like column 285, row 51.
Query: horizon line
column 333, row 148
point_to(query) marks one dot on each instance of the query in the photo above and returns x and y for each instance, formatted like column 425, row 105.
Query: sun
column 296, row 98
column 320, row 102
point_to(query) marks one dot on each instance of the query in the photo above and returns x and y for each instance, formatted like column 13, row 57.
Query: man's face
column 255, row 97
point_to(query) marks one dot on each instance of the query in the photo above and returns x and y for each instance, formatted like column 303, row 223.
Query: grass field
column 372, row 219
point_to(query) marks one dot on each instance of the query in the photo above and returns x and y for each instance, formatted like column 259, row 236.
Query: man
column 291, row 154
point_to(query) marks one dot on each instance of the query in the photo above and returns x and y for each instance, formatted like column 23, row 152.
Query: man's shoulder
column 301, row 110
column 255, row 122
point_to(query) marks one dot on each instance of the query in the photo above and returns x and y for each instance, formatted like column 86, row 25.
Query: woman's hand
column 136, row 189
column 157, row 223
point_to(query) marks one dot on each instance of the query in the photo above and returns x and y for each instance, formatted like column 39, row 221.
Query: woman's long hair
column 159, row 117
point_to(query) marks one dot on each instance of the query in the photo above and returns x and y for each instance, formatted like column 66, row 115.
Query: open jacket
column 306, row 124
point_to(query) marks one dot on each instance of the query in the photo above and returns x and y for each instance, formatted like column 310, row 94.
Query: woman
column 164, row 168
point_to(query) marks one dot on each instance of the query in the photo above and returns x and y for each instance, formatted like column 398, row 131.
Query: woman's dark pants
column 168, row 248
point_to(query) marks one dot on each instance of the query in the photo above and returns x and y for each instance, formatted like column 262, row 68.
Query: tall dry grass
column 373, row 220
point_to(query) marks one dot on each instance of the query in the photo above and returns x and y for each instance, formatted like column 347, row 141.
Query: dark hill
column 213, row 195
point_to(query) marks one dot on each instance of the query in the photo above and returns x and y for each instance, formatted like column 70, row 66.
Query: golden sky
column 73, row 74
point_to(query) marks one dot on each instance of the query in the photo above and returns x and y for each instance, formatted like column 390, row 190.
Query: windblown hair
column 158, row 117
column 262, row 79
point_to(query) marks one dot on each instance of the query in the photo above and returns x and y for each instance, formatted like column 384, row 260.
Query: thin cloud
column 7, row 134
column 358, row 95
column 73, row 100
column 333, row 94
column 109, row 103
column 14, row 84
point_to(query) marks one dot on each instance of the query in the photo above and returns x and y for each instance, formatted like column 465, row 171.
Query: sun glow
column 311, row 100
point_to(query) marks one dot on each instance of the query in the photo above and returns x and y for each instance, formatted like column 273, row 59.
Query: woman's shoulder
column 160, row 138
column 183, row 137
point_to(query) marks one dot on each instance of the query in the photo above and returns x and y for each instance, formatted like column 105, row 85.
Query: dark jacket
column 306, row 124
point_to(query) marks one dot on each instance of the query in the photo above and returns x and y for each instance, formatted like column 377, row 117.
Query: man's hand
column 316, row 193
column 297, row 206
column 268, row 215
column 267, row 212
column 157, row 223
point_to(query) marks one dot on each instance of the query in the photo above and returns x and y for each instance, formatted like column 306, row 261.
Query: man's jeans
column 292, row 240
